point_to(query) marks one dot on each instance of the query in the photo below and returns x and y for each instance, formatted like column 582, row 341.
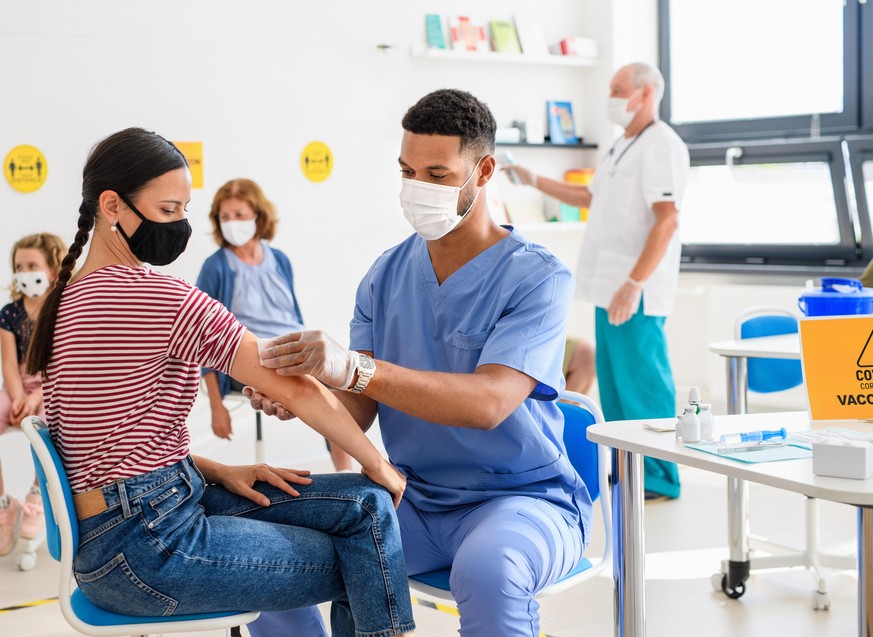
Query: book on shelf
column 531, row 36
column 562, row 129
column 434, row 28
column 504, row 39
column 467, row 36
column 579, row 47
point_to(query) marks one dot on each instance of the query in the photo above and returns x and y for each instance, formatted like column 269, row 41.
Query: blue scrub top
column 507, row 306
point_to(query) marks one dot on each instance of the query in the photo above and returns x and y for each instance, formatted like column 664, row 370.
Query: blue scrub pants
column 635, row 381
column 302, row 622
column 502, row 552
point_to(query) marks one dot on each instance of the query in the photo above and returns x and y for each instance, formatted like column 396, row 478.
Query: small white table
column 737, row 352
column 630, row 441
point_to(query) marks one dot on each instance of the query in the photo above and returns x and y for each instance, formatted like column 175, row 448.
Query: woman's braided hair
column 123, row 163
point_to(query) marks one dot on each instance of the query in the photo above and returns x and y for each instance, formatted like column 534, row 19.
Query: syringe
column 753, row 436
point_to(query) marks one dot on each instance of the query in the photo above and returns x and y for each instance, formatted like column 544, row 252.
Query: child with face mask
column 36, row 261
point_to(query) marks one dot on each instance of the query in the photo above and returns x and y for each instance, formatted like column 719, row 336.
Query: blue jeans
column 169, row 544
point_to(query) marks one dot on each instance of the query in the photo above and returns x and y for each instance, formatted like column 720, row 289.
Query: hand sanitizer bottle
column 690, row 425
column 707, row 422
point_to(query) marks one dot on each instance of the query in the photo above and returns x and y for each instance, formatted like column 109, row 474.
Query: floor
column 684, row 544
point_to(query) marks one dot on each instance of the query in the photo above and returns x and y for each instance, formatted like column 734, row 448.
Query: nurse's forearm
column 666, row 223
column 481, row 400
column 570, row 194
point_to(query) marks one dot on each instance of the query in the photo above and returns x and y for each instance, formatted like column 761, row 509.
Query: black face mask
column 156, row 243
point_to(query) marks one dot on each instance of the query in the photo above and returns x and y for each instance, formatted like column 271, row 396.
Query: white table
column 737, row 568
column 737, row 352
column 630, row 441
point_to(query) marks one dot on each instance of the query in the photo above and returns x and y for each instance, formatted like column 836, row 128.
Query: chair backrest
column 58, row 504
column 766, row 375
column 583, row 454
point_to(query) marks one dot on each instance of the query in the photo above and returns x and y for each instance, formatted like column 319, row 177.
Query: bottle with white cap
column 707, row 422
column 690, row 424
column 694, row 399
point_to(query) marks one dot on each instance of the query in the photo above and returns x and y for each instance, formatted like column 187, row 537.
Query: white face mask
column 617, row 113
column 432, row 209
column 32, row 284
column 238, row 233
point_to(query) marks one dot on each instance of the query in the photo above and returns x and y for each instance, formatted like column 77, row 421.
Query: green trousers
column 635, row 382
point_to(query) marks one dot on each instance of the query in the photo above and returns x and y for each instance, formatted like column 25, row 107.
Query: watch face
column 366, row 364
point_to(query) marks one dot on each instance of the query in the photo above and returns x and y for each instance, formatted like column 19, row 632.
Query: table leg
column 737, row 385
column 628, row 555
column 738, row 491
column 865, row 571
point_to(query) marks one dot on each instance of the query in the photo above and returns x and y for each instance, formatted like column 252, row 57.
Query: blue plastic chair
column 62, row 537
column 593, row 465
column 767, row 375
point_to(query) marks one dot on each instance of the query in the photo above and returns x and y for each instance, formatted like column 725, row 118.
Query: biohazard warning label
column 837, row 355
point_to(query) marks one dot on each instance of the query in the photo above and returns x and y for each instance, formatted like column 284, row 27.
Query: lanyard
column 626, row 148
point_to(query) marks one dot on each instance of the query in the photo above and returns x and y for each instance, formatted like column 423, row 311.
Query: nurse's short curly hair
column 454, row 113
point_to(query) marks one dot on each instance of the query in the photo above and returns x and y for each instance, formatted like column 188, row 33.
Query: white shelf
column 421, row 51
column 550, row 226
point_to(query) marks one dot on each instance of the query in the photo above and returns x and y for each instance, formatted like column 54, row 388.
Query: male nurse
column 456, row 343
column 629, row 262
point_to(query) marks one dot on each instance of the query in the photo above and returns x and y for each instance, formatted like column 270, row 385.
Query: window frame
column 845, row 254
column 860, row 148
column 848, row 121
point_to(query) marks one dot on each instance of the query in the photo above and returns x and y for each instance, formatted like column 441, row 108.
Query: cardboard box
column 843, row 459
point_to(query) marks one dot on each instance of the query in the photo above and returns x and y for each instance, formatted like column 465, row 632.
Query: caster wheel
column 715, row 580
column 821, row 601
column 26, row 561
column 733, row 593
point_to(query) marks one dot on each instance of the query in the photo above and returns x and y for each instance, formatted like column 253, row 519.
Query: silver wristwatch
column 366, row 368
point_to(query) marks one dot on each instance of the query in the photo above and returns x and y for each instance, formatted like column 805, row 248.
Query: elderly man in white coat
column 629, row 262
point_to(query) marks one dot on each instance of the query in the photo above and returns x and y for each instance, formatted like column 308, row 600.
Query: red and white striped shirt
column 124, row 372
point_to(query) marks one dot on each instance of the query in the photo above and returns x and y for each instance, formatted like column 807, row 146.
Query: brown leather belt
column 89, row 503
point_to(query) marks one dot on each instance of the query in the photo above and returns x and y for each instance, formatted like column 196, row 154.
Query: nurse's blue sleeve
column 530, row 336
column 361, row 326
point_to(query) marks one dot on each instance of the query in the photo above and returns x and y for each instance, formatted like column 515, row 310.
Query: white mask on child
column 432, row 209
column 32, row 284
column 238, row 233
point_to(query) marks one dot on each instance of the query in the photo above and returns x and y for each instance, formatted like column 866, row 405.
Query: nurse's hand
column 259, row 402
column 311, row 352
column 625, row 303
column 524, row 175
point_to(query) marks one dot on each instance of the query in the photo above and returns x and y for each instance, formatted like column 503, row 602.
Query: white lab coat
column 637, row 173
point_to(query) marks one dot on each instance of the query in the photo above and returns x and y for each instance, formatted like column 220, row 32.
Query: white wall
column 256, row 81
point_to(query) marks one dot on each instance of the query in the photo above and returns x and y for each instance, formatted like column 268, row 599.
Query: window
column 860, row 151
column 775, row 100
column 768, row 203
column 770, row 69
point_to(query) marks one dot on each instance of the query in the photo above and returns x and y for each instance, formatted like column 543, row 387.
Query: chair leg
column 259, row 439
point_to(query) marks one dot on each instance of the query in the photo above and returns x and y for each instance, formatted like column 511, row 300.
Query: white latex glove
column 524, row 175
column 625, row 303
column 311, row 352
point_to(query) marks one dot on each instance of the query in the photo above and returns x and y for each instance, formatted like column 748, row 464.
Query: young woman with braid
column 163, row 532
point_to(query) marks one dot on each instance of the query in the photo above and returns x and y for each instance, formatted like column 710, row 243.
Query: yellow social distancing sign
column 25, row 168
column 837, row 355
column 316, row 161
column 193, row 152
